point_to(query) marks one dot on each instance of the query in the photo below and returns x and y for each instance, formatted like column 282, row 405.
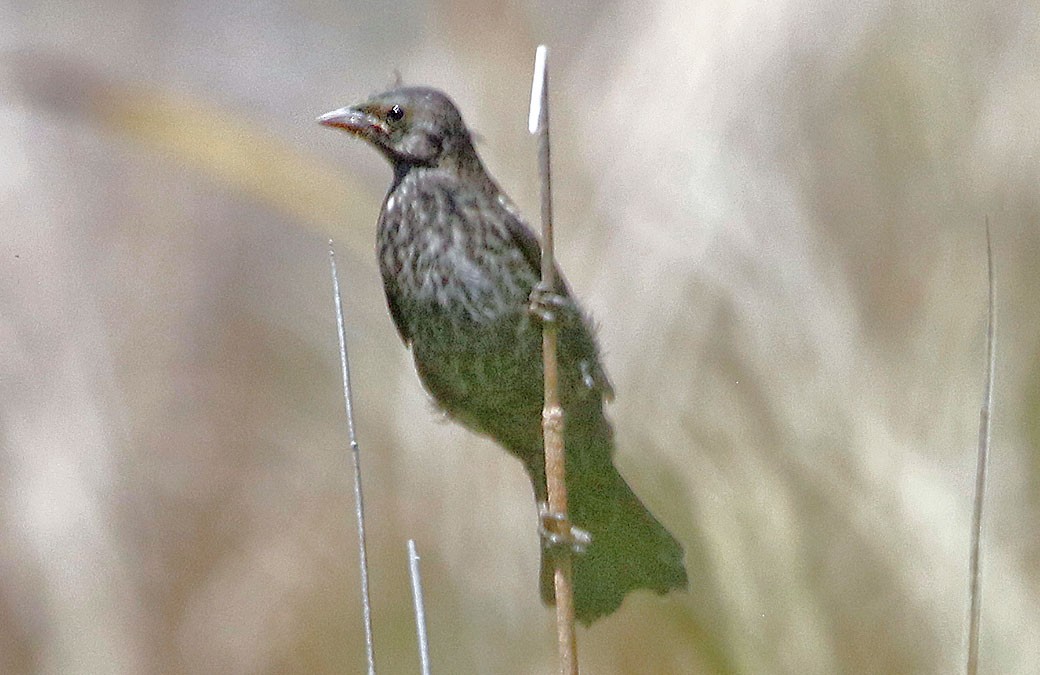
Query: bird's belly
column 488, row 375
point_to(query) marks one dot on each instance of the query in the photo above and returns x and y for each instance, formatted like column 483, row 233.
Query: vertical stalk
column 552, row 413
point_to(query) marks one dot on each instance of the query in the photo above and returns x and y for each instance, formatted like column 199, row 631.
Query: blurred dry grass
column 775, row 211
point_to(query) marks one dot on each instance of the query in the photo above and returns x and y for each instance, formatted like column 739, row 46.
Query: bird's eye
column 395, row 113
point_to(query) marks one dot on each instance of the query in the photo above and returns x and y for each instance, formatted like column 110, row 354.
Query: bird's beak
column 354, row 121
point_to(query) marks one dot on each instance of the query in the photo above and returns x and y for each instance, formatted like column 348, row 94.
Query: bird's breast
column 445, row 256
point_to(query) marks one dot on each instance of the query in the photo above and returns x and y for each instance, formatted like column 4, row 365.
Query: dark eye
column 395, row 113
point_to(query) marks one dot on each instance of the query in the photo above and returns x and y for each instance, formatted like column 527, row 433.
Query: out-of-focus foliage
column 775, row 211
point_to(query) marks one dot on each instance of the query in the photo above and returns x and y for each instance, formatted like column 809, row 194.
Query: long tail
column 630, row 549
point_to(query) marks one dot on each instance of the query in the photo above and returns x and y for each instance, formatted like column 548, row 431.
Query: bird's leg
column 574, row 540
column 548, row 305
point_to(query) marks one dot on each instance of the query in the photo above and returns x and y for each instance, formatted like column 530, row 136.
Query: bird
column 461, row 275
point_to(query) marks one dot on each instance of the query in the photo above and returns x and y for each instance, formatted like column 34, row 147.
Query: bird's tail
column 630, row 549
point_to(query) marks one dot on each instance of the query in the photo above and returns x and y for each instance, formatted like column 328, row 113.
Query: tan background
column 775, row 210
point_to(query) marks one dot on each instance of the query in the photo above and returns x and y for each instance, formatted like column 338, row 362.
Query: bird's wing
column 522, row 234
column 593, row 373
column 390, row 288
column 390, row 220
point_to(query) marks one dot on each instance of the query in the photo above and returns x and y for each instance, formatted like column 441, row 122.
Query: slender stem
column 975, row 561
column 552, row 413
column 359, row 502
column 420, row 608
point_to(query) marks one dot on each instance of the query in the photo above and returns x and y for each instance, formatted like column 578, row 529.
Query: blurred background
column 775, row 211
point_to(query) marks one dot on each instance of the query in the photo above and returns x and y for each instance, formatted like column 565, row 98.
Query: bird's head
column 411, row 126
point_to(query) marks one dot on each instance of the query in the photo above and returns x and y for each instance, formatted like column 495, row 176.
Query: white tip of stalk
column 537, row 90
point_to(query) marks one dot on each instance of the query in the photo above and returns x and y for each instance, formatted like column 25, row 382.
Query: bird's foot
column 545, row 304
column 572, row 539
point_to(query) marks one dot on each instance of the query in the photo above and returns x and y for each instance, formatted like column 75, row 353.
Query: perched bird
column 459, row 267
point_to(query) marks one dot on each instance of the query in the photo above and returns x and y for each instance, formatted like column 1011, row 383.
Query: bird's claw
column 574, row 539
column 544, row 302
